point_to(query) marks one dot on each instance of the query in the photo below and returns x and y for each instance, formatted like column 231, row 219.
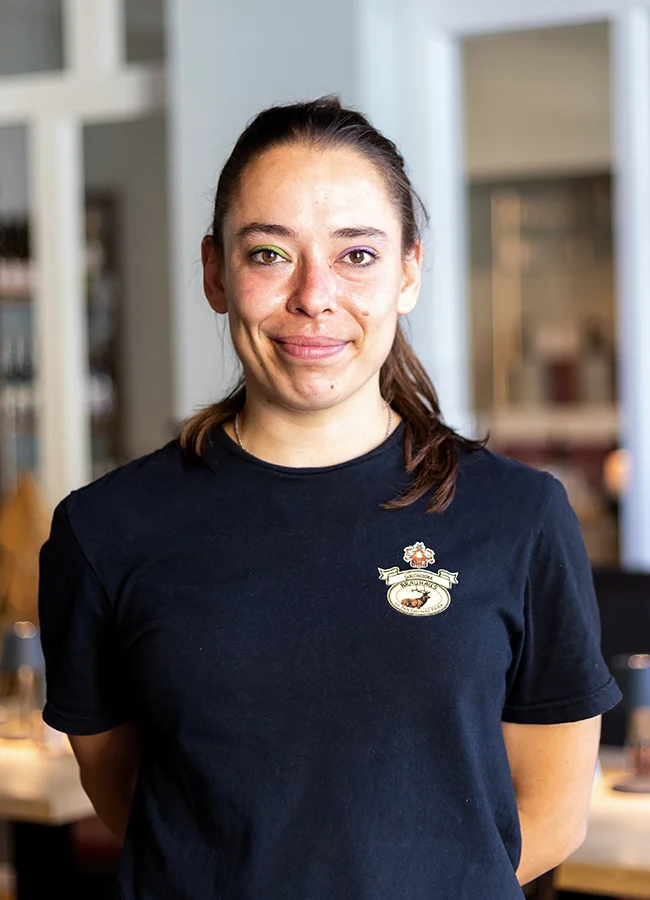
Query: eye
column 267, row 256
column 360, row 256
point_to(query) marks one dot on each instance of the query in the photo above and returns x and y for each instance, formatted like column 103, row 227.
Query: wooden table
column 40, row 797
column 615, row 857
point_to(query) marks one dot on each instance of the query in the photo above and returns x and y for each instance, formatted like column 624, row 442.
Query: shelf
column 534, row 424
column 20, row 399
column 16, row 296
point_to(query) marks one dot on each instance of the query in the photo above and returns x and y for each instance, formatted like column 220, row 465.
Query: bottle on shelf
column 595, row 370
column 15, row 268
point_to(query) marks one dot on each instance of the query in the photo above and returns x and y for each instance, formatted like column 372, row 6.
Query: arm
column 108, row 764
column 552, row 770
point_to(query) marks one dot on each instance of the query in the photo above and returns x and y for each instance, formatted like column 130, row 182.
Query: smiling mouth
column 306, row 347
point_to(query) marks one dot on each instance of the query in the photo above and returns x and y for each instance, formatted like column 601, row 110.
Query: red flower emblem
column 418, row 556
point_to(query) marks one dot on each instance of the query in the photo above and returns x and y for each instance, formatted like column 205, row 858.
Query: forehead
column 300, row 182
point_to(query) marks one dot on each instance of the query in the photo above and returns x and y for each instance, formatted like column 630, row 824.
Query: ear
column 213, row 285
column 408, row 295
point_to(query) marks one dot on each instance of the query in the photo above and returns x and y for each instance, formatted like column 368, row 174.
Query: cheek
column 374, row 304
column 378, row 326
column 254, row 297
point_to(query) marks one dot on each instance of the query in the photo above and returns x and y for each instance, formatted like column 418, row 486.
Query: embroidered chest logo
column 414, row 591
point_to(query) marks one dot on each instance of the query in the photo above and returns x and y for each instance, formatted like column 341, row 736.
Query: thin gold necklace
column 241, row 443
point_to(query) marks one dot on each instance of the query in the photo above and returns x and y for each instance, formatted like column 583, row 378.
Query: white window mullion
column 94, row 35
column 433, row 141
column 631, row 71
column 60, row 320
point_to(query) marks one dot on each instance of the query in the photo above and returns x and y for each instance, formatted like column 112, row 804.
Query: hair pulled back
column 431, row 447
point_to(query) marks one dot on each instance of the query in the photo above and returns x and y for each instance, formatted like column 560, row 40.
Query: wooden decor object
column 24, row 527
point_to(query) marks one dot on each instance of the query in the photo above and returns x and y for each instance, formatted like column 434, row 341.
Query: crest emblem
column 414, row 591
column 418, row 556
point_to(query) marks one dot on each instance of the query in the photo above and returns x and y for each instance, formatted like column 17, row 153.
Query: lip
column 302, row 346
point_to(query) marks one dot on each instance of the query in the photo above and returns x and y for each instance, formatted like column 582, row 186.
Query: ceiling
column 538, row 99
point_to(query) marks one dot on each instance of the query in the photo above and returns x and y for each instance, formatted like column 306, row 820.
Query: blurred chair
column 624, row 603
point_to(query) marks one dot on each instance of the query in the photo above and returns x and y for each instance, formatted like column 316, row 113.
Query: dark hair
column 432, row 448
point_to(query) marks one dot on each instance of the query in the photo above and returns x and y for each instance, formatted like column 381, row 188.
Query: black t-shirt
column 320, row 681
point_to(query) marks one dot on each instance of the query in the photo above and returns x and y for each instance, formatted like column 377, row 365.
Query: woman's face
column 312, row 276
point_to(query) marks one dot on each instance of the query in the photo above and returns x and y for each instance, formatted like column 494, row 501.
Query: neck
column 305, row 439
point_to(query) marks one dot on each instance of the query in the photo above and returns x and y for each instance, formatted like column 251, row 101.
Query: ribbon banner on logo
column 395, row 576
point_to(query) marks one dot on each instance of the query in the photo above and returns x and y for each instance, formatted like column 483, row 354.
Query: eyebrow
column 363, row 231
column 360, row 232
column 264, row 228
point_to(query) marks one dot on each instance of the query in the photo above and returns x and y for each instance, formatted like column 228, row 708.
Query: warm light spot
column 26, row 630
column 639, row 661
column 616, row 472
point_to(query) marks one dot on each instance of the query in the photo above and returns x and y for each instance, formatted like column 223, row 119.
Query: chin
column 313, row 402
column 311, row 397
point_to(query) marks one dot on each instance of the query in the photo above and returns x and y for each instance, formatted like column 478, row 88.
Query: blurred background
column 541, row 348
column 527, row 131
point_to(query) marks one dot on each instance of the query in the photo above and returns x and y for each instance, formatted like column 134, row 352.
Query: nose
column 313, row 290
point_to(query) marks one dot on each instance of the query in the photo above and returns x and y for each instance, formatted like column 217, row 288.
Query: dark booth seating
column 624, row 602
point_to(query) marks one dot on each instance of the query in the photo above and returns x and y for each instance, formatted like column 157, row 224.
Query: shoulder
column 506, row 485
column 126, row 496
column 133, row 475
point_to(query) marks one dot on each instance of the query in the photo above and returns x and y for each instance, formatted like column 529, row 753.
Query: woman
column 321, row 646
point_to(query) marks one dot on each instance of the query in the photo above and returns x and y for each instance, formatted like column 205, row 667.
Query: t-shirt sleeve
column 83, row 676
column 558, row 673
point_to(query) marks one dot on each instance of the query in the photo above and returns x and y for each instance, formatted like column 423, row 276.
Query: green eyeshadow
column 268, row 247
